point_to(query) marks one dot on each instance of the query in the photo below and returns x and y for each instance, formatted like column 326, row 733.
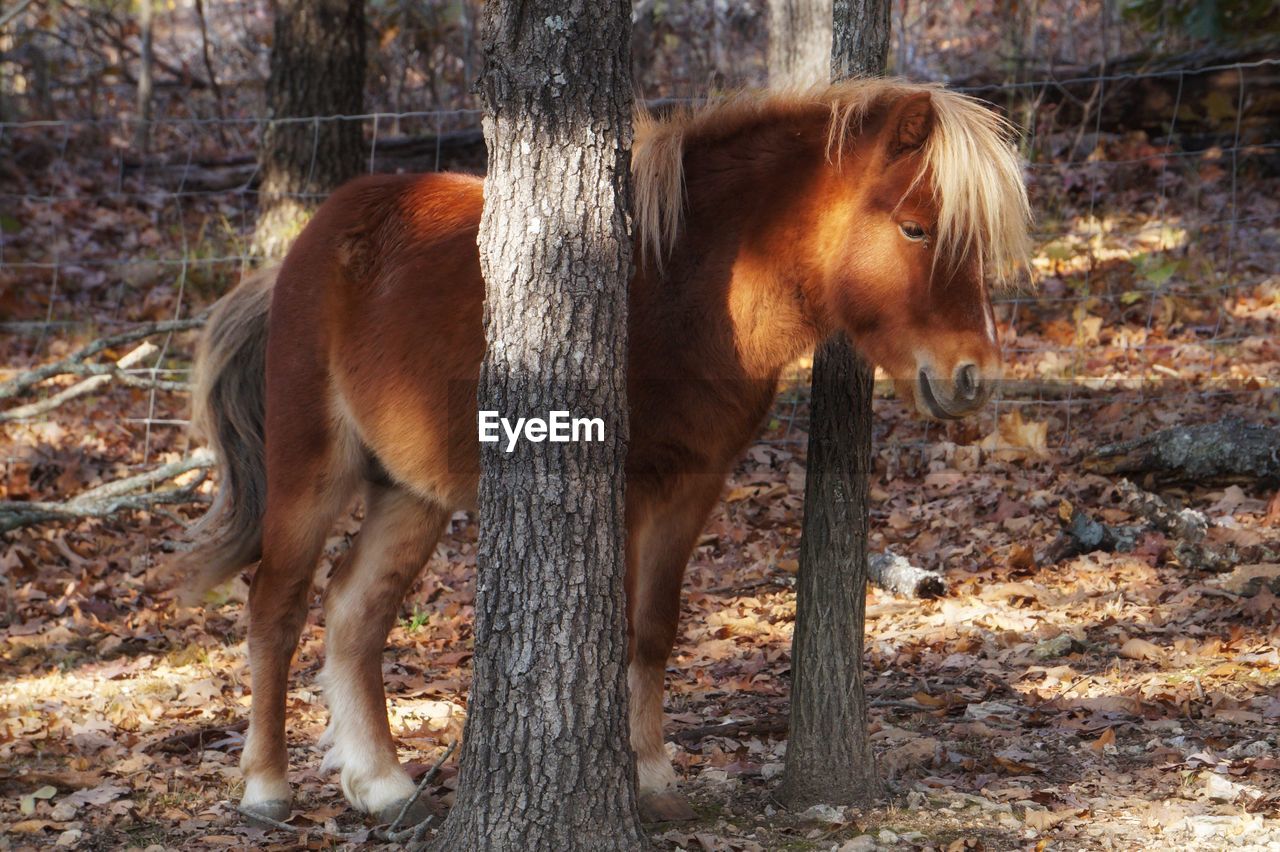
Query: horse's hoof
column 272, row 811
column 418, row 812
column 667, row 806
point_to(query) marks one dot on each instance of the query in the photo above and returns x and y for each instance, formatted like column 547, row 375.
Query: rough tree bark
column 317, row 69
column 546, row 759
column 829, row 755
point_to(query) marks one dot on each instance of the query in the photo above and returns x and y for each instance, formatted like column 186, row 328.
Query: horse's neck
column 740, row 264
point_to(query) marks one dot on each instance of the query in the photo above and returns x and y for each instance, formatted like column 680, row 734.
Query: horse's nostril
column 967, row 381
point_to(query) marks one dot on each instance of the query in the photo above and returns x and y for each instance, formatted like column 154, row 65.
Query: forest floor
column 1102, row 701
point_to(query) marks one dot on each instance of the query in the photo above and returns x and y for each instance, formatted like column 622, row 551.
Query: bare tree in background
column 546, row 761
column 829, row 755
column 799, row 42
column 317, row 69
column 142, row 131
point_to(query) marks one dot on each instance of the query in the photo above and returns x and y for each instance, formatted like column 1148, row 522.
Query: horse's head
column 925, row 207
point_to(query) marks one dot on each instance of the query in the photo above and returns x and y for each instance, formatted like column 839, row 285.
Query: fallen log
column 1229, row 451
column 896, row 574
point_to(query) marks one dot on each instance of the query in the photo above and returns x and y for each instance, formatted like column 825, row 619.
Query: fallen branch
column 111, row 497
column 1186, row 524
column 71, row 364
column 1186, row 530
column 896, row 574
column 746, row 727
column 1227, row 451
column 198, row 739
column 99, row 375
column 893, row 573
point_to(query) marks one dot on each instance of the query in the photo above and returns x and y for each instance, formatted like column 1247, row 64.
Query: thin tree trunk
column 799, row 42
column 146, row 54
column 829, row 755
column 317, row 70
column 546, row 761
column 214, row 85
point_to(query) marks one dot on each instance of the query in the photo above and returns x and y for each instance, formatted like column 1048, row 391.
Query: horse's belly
column 406, row 361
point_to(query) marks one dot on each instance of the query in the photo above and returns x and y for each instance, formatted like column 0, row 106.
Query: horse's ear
column 909, row 125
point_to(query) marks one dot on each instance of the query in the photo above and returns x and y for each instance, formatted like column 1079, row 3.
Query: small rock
column 915, row 800
column 70, row 837
column 1058, row 646
column 861, row 843
column 711, row 775
column 988, row 804
column 1257, row 748
column 63, row 812
column 887, row 837
column 769, row 771
column 1221, row 789
column 1219, row 827
column 989, row 709
column 823, row 813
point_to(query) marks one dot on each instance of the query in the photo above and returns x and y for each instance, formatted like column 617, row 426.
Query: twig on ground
column 255, row 817
column 782, row 582
column 895, row 704
column 692, row 736
column 14, row 12
column 110, row 497
column 415, row 833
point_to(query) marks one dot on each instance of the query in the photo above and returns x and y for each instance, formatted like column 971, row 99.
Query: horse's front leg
column 397, row 538
column 662, row 536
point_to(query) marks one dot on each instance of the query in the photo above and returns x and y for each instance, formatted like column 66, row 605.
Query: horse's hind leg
column 398, row 535
column 310, row 477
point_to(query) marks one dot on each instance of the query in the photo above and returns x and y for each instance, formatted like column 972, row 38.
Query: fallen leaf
column 100, row 795
column 1108, row 738
column 1141, row 649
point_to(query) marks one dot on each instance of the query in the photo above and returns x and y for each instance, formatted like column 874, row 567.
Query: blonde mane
column 975, row 171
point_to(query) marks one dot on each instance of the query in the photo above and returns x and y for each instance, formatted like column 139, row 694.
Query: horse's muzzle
column 963, row 394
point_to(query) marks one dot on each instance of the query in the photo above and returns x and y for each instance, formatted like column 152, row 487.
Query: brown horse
column 765, row 223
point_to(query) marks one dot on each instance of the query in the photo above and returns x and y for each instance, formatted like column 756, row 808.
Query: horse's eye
column 913, row 231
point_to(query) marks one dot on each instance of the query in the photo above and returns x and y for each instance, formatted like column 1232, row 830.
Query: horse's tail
column 229, row 413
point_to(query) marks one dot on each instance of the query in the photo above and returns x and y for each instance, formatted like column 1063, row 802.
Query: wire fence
column 1146, row 249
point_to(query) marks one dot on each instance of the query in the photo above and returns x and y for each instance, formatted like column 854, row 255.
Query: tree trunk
column 829, row 755
column 860, row 41
column 546, row 761
column 317, row 70
column 142, row 131
column 799, row 42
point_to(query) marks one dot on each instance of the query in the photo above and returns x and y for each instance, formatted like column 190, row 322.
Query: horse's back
column 378, row 327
